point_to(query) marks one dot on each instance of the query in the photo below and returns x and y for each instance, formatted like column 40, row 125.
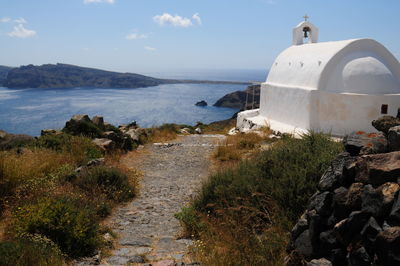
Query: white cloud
column 5, row 20
column 99, row 1
column 168, row 19
column 197, row 18
column 136, row 36
column 21, row 32
column 20, row 21
column 148, row 48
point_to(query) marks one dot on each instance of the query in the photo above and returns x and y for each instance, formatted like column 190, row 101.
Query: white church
column 334, row 87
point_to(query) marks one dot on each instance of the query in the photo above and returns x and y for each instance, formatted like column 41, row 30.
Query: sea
column 28, row 111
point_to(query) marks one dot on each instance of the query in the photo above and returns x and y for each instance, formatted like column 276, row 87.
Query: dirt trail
column 147, row 227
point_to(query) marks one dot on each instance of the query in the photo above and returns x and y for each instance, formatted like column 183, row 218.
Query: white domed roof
column 368, row 75
column 361, row 66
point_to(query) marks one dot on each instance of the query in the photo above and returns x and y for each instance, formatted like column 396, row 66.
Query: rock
column 394, row 138
column 136, row 259
column 11, row 141
column 133, row 133
column 378, row 169
column 353, row 201
column 372, row 202
column 359, row 257
column 339, row 173
column 3, row 134
column 303, row 244
column 95, row 162
column 117, row 260
column 98, row 121
column 80, row 118
column 165, row 263
column 340, row 209
column 104, row 144
column 388, row 246
column 198, row 130
column 233, row 131
column 327, row 242
column 394, row 216
column 388, row 191
column 185, row 130
column 49, row 132
column 322, row 203
column 386, row 122
column 350, row 227
column 369, row 233
column 338, row 257
column 365, row 143
column 201, row 103
column 319, row 262
column 300, row 227
column 316, row 226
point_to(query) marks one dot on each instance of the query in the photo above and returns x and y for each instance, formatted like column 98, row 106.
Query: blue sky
column 163, row 35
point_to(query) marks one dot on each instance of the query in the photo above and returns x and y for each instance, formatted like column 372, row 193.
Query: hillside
column 70, row 76
column 3, row 73
column 237, row 99
column 67, row 76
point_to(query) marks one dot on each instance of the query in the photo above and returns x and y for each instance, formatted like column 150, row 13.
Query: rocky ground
column 147, row 229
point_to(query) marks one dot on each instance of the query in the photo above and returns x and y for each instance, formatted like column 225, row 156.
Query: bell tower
column 305, row 32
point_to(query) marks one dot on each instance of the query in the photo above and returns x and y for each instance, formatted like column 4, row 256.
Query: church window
column 384, row 109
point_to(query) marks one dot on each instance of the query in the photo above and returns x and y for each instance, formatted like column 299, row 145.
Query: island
column 237, row 99
column 70, row 76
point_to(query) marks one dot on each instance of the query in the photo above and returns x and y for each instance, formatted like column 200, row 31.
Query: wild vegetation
column 53, row 197
column 243, row 214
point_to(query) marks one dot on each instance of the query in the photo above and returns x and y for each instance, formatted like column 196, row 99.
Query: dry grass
column 241, row 145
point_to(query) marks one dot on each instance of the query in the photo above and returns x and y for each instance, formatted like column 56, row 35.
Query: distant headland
column 70, row 76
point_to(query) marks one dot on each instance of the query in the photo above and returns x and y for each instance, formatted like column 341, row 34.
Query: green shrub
column 80, row 148
column 27, row 252
column 82, row 128
column 191, row 221
column 68, row 224
column 110, row 181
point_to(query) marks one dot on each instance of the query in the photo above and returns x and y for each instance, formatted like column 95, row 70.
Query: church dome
column 368, row 75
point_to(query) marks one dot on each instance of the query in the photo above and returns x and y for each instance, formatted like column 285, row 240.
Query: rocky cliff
column 237, row 99
column 354, row 217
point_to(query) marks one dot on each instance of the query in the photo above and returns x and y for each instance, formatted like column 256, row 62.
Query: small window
column 384, row 109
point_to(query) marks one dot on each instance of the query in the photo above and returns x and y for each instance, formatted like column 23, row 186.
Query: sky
column 163, row 35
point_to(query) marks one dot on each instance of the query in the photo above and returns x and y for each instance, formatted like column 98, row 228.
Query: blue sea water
column 28, row 111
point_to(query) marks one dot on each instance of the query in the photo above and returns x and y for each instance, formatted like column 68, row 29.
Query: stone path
column 146, row 227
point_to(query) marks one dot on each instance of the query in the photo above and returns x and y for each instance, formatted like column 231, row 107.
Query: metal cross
column 306, row 17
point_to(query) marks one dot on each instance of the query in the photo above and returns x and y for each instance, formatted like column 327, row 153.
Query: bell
column 305, row 33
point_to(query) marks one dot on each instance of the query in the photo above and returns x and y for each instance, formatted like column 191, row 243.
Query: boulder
column 49, row 132
column 372, row 201
column 133, row 133
column 350, row 227
column 394, row 138
column 184, row 131
column 340, row 209
column 201, row 103
column 303, row 244
column 198, row 130
column 386, row 122
column 300, row 227
column 369, row 233
column 378, row 169
column 3, row 134
column 388, row 246
column 361, row 142
column 359, row 257
column 104, row 144
column 389, row 191
column 353, row 201
column 394, row 216
column 80, row 118
column 319, row 262
column 333, row 176
column 327, row 241
column 98, row 121
column 322, row 203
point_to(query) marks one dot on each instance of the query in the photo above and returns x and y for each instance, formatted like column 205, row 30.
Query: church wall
column 285, row 107
column 341, row 114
